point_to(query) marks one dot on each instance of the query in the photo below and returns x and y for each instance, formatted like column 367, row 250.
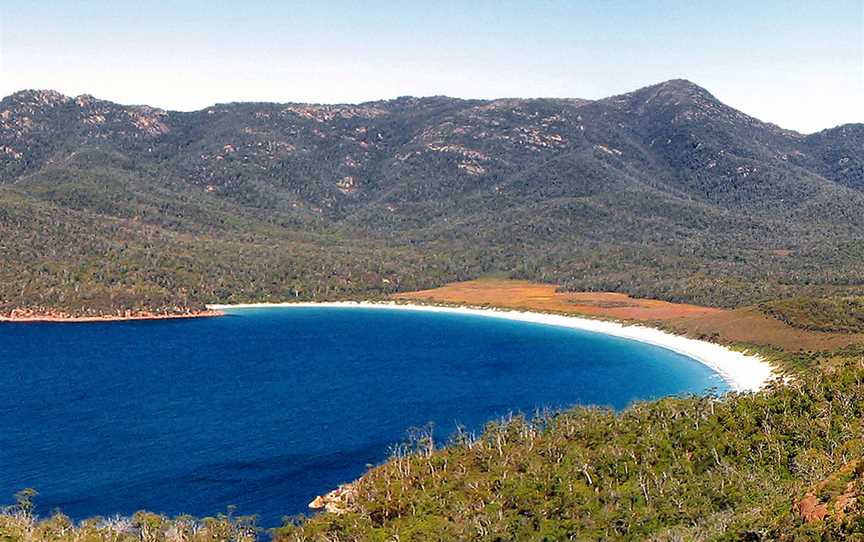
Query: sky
column 798, row 64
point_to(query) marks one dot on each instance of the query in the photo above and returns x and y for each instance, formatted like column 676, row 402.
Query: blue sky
column 797, row 64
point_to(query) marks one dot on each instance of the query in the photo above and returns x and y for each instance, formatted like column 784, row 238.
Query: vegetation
column 843, row 315
column 18, row 523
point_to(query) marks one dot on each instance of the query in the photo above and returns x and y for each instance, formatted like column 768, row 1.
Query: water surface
column 266, row 408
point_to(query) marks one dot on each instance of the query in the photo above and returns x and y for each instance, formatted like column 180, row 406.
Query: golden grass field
column 744, row 325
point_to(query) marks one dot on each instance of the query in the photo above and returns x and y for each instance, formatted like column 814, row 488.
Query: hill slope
column 662, row 192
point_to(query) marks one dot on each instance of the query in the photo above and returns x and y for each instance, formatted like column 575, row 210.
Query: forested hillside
column 662, row 192
column 782, row 465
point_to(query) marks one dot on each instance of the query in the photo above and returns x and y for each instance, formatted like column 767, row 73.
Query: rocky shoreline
column 49, row 315
column 338, row 501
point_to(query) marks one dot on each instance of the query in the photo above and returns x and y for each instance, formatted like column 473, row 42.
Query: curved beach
column 742, row 371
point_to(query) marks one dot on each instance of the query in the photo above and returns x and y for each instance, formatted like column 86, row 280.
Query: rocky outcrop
column 834, row 496
column 338, row 501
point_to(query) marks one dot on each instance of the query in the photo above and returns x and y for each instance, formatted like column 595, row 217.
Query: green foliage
column 675, row 469
column 839, row 314
column 19, row 525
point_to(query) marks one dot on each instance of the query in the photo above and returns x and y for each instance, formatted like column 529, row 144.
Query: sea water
column 266, row 408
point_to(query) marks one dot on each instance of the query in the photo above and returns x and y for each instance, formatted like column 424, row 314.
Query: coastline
column 742, row 371
column 33, row 318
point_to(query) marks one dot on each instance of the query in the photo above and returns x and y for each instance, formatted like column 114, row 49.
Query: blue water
column 267, row 408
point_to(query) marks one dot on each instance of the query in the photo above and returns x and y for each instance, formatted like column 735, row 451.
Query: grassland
column 743, row 326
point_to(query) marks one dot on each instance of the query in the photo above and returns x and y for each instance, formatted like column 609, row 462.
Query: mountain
column 662, row 192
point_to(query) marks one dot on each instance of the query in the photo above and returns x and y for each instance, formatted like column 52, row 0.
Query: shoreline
column 64, row 319
column 742, row 371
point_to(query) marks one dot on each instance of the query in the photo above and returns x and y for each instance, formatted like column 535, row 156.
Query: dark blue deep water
column 266, row 408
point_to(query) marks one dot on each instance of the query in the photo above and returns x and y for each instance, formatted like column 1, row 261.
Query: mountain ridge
column 662, row 192
column 678, row 82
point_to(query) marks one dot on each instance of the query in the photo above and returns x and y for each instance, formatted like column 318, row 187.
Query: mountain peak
column 680, row 90
column 678, row 101
column 683, row 84
column 39, row 97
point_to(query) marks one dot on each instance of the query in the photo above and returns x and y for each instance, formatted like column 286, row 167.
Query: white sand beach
column 742, row 371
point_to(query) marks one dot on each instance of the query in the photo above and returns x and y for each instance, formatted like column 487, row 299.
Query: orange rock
column 845, row 500
column 810, row 509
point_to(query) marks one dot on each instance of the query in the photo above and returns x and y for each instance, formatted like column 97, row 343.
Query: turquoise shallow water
column 266, row 408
